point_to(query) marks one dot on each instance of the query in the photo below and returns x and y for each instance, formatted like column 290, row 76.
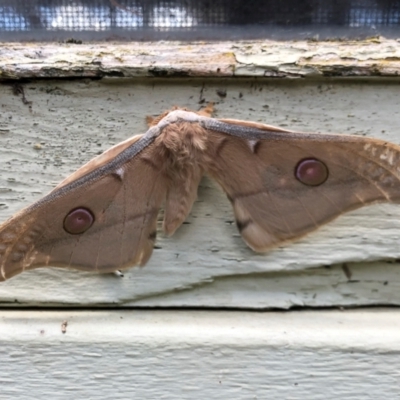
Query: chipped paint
column 266, row 58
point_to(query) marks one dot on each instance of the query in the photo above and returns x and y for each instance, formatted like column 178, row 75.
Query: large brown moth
column 281, row 184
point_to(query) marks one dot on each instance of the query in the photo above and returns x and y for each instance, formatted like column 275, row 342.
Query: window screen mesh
column 141, row 18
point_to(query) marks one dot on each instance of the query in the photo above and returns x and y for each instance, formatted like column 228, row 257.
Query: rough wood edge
column 376, row 56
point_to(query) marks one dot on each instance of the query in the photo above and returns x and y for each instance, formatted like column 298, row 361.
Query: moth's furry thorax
column 185, row 142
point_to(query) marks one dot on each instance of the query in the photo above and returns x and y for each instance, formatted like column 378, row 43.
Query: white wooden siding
column 206, row 263
column 119, row 353
column 326, row 355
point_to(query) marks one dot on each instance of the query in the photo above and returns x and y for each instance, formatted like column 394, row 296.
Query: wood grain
column 322, row 355
column 263, row 58
column 70, row 122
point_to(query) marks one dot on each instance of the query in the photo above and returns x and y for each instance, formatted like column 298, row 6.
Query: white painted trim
column 196, row 355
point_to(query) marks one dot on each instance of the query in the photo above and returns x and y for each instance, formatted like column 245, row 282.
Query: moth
column 281, row 184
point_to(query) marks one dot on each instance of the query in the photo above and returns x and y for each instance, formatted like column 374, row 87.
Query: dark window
column 196, row 19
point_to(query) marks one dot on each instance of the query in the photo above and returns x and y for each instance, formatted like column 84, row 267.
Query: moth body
column 184, row 149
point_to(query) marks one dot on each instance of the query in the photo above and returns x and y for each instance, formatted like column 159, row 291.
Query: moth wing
column 124, row 203
column 262, row 171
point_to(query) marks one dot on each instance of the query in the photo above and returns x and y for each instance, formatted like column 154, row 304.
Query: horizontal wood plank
column 322, row 355
column 206, row 263
column 375, row 56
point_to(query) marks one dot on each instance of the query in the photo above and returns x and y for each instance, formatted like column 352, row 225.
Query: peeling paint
column 281, row 59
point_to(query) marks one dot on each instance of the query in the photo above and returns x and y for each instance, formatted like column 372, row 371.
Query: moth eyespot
column 311, row 172
column 78, row 221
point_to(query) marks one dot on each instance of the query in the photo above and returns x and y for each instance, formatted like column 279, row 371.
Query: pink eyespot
column 78, row 221
column 311, row 172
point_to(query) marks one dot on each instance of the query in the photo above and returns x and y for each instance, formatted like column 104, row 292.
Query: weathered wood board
column 376, row 56
column 205, row 263
column 324, row 355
